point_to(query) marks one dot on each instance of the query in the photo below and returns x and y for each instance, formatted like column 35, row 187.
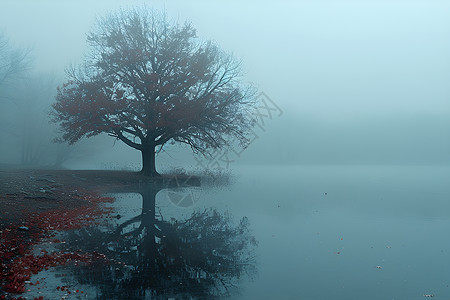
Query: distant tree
column 26, row 135
column 13, row 63
column 33, row 133
column 148, row 82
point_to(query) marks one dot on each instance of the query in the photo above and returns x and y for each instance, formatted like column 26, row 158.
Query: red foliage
column 17, row 264
column 148, row 85
column 87, row 109
column 75, row 218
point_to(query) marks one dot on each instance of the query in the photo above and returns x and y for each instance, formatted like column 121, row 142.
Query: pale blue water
column 394, row 217
column 323, row 232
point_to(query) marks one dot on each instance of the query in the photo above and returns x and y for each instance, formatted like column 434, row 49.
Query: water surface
column 303, row 232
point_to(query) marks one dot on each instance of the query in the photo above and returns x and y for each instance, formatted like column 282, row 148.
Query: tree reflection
column 202, row 257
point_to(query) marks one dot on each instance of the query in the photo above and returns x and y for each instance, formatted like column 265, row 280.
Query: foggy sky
column 358, row 81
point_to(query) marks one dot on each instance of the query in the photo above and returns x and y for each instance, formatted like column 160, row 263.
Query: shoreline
column 39, row 190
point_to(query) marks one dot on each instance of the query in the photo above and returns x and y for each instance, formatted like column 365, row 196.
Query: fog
column 342, row 193
column 357, row 82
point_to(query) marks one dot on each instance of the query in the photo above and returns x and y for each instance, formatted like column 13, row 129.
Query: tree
column 13, row 62
column 32, row 100
column 148, row 82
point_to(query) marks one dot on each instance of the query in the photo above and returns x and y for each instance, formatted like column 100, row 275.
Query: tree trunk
column 148, row 162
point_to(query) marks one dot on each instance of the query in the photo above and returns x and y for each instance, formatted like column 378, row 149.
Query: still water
column 304, row 232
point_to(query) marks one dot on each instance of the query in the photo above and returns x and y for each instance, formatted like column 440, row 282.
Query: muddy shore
column 34, row 190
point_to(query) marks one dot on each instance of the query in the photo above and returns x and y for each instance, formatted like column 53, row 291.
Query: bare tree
column 13, row 62
column 34, row 134
column 148, row 82
column 25, row 126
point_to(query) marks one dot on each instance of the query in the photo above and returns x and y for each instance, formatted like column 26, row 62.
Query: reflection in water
column 202, row 257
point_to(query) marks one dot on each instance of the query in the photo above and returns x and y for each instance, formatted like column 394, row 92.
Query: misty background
column 358, row 82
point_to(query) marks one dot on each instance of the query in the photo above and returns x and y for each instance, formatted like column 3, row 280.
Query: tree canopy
column 147, row 82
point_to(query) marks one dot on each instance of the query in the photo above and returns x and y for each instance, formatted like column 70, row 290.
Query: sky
column 357, row 81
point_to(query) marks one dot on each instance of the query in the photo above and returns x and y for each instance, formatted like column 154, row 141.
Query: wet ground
column 40, row 212
column 311, row 232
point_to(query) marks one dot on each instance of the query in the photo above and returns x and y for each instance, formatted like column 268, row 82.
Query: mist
column 358, row 82
column 286, row 150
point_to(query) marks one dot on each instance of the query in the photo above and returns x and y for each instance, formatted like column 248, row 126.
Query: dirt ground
column 23, row 191
column 35, row 203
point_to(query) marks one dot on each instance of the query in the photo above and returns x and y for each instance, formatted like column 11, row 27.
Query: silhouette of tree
column 13, row 63
column 148, row 82
column 33, row 132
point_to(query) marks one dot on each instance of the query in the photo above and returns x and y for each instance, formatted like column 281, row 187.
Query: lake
column 273, row 232
column 348, row 232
